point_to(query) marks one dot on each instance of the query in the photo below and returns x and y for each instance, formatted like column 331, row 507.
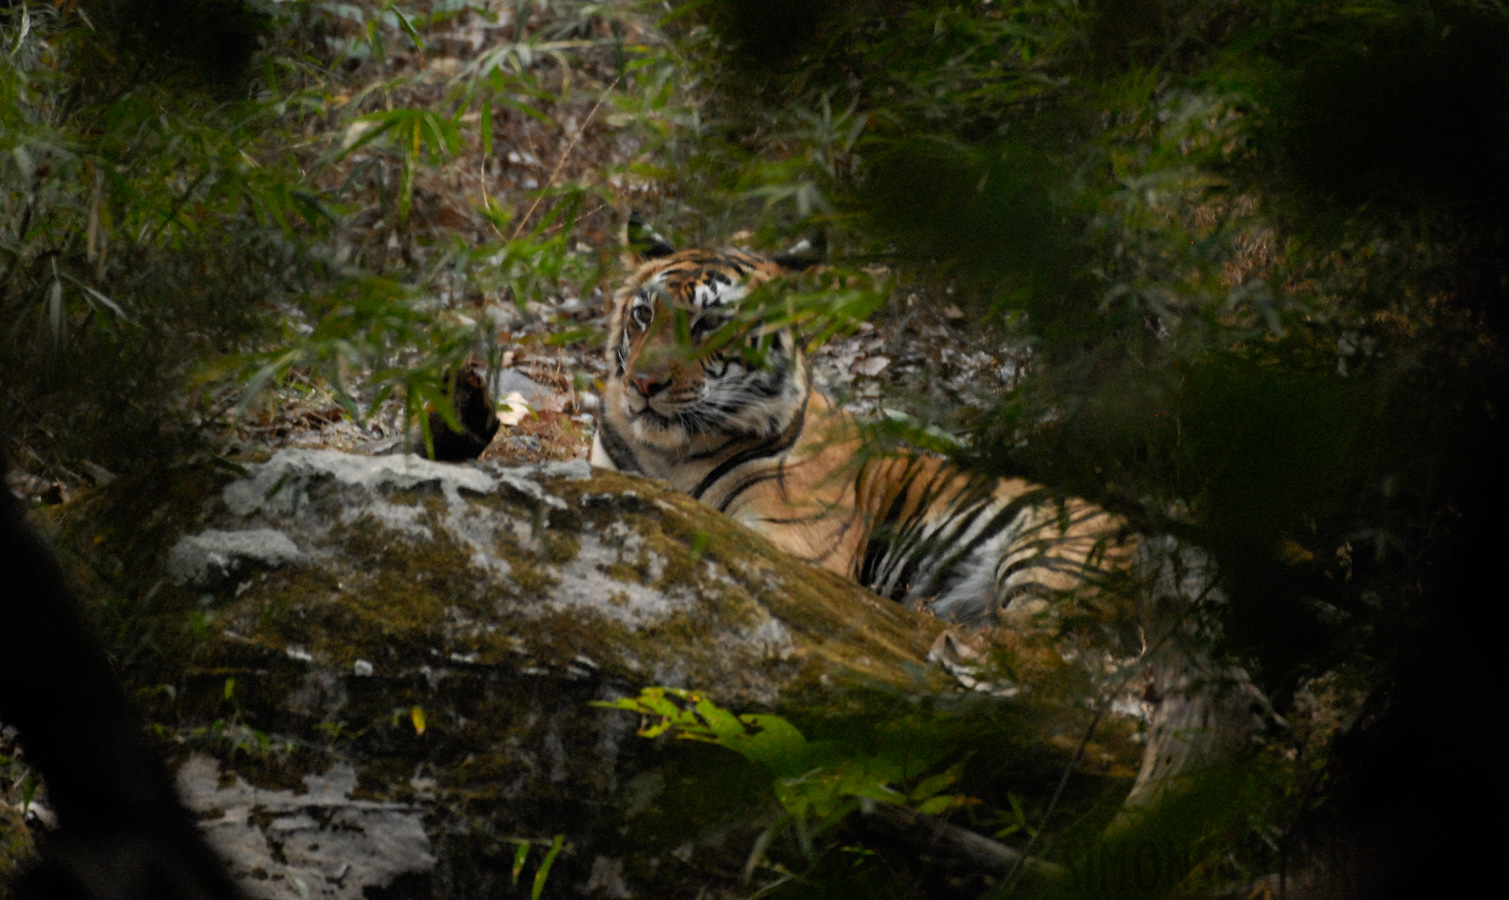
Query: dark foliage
column 124, row 833
column 205, row 44
column 118, row 279
column 1327, row 417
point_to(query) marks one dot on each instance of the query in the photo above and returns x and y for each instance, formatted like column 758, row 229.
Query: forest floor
column 505, row 177
column 910, row 359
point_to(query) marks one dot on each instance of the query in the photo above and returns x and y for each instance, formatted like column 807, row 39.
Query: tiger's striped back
column 977, row 549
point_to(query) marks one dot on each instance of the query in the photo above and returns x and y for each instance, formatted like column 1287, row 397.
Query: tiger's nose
column 647, row 385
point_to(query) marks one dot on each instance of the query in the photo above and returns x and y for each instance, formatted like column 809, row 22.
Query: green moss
column 679, row 568
column 385, row 779
column 534, row 579
column 621, row 571
column 528, row 568
column 393, row 592
column 560, row 547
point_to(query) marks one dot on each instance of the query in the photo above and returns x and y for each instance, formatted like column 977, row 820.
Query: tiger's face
column 686, row 361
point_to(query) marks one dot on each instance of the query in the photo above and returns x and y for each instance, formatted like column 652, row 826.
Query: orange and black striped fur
column 727, row 412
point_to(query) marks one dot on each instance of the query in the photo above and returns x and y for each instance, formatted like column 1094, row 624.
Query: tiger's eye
column 640, row 315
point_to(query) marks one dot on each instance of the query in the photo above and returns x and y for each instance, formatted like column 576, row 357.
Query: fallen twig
column 944, row 838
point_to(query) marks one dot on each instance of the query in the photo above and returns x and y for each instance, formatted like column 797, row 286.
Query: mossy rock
column 386, row 685
column 404, row 563
column 349, row 601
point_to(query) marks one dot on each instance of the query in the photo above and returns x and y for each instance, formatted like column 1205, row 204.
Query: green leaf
column 538, row 887
column 520, row 856
column 822, row 779
column 407, row 26
column 928, row 787
column 943, row 802
column 485, row 127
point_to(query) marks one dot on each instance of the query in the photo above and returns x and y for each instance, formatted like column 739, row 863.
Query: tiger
column 703, row 394
column 742, row 427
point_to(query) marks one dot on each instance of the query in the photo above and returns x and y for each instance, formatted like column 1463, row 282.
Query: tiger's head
column 686, row 362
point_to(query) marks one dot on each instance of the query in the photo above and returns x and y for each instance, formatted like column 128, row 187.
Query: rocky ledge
column 386, row 687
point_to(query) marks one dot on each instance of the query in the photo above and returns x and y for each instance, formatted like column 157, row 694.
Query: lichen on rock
column 317, row 842
column 212, row 556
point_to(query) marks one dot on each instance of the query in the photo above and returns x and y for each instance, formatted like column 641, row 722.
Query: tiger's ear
column 805, row 254
column 644, row 242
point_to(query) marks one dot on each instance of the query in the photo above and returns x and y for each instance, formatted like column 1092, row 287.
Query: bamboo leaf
column 520, row 856
column 538, row 887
